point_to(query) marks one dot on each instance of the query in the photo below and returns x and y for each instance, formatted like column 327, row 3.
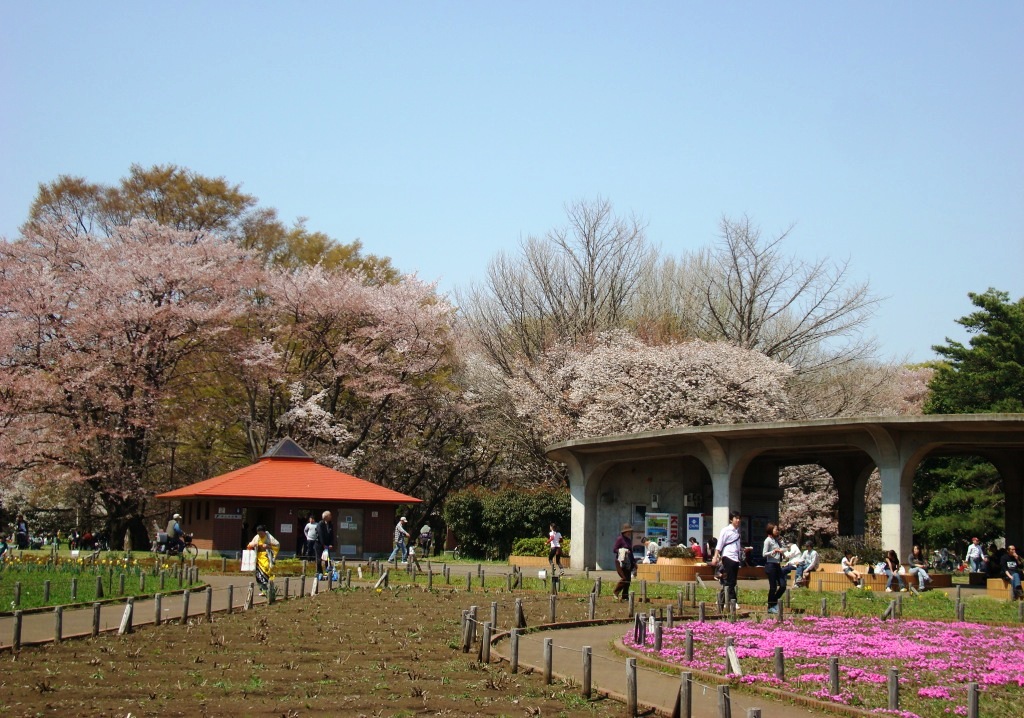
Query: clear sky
column 440, row 133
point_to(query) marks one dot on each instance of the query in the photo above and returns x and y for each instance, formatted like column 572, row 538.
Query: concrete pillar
column 850, row 478
column 1010, row 465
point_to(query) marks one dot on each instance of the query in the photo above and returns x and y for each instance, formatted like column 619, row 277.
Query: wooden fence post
column 685, row 697
column 724, row 702
column 833, row 675
column 514, row 649
column 587, row 671
column 58, row 624
column 548, row 658
column 485, row 644
column 631, row 699
column 894, row 689
column 184, row 605
column 16, row 631
column 780, row 664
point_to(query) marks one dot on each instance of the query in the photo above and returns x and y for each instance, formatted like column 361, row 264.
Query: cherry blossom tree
column 363, row 375
column 103, row 340
column 620, row 384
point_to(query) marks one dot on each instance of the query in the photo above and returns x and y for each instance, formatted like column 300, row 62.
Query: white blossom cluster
column 619, row 384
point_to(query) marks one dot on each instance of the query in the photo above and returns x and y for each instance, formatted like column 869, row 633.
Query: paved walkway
column 39, row 626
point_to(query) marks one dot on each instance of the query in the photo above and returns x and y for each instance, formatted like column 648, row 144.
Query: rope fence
column 175, row 596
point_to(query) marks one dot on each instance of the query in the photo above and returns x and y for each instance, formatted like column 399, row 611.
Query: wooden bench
column 999, row 588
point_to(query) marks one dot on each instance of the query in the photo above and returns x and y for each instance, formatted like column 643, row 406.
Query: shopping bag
column 248, row 560
column 325, row 556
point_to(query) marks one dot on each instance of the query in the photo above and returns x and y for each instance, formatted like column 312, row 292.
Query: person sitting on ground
column 4, row 548
column 891, row 567
column 1011, row 571
column 808, row 562
column 695, row 548
column 975, row 556
column 847, row 567
column 917, row 565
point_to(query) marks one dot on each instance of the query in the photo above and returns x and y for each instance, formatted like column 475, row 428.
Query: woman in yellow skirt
column 266, row 548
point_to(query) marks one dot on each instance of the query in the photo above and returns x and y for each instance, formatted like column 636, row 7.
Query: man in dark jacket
column 324, row 540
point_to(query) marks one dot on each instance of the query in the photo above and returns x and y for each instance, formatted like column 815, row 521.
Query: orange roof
column 288, row 472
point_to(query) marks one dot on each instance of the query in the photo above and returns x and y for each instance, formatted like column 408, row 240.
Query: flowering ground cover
column 936, row 660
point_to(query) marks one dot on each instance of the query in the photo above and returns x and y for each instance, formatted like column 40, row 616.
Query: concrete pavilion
column 281, row 491
column 712, row 469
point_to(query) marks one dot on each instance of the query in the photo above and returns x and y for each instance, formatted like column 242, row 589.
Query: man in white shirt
column 975, row 556
column 728, row 553
column 309, row 531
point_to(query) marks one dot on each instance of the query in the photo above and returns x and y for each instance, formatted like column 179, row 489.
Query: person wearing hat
column 175, row 534
column 401, row 539
column 266, row 548
column 625, row 562
column 975, row 556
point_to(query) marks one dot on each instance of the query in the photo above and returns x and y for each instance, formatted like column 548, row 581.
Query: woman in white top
column 555, row 550
column 728, row 553
column 776, row 578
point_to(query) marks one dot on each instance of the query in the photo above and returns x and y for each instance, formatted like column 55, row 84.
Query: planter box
column 675, row 572
column 535, row 561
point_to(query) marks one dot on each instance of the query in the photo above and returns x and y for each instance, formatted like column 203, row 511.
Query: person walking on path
column 555, row 550
column 728, row 554
column 400, row 539
column 776, row 578
column 323, row 542
column 426, row 539
column 976, row 556
column 266, row 547
column 625, row 562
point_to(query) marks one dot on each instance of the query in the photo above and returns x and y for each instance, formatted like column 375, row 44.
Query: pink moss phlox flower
column 935, row 692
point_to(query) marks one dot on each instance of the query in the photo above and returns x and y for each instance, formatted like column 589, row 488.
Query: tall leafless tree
column 576, row 280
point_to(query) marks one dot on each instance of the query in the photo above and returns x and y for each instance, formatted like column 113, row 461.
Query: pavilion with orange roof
column 281, row 491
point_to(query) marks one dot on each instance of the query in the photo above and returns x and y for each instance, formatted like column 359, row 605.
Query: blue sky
column 889, row 134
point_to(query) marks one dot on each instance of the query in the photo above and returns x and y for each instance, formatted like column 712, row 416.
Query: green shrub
column 536, row 547
column 487, row 523
column 675, row 552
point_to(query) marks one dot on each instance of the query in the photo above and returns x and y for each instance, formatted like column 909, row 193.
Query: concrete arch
column 739, row 458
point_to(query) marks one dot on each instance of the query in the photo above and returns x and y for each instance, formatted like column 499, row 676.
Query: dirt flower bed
column 349, row 653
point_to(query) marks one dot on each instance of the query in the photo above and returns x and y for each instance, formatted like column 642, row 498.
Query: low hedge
column 536, row 547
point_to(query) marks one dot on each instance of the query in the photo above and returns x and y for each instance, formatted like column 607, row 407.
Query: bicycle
column 187, row 549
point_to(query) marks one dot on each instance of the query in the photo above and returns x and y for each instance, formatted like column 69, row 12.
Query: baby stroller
column 330, row 571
